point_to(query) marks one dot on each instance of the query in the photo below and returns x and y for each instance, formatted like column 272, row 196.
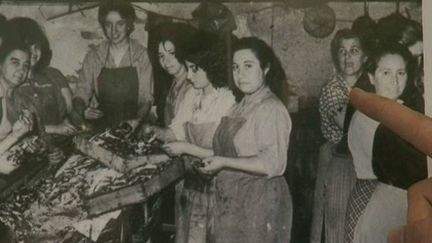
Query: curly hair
column 31, row 33
column 208, row 52
column 179, row 34
column 10, row 45
column 123, row 8
column 275, row 78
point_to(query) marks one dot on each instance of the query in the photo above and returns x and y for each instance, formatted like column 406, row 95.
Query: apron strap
column 129, row 50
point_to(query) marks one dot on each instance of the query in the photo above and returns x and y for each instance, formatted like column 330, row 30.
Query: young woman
column 116, row 77
column 335, row 176
column 46, row 90
column 191, row 133
column 390, row 71
column 14, row 64
column 172, row 40
column 253, row 202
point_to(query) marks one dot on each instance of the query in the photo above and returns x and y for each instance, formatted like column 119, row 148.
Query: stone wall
column 306, row 59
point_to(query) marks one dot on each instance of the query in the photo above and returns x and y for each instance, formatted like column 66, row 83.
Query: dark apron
column 249, row 208
column 117, row 90
column 195, row 195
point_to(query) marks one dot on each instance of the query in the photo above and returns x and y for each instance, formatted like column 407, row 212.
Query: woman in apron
column 46, row 91
column 335, row 175
column 116, row 79
column 252, row 198
column 191, row 133
column 375, row 211
column 14, row 64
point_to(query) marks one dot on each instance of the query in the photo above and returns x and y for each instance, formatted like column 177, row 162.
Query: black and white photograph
column 234, row 121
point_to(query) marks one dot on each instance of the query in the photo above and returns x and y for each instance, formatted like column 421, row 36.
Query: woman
column 409, row 33
column 375, row 208
column 115, row 79
column 335, row 176
column 253, row 202
column 172, row 42
column 46, row 90
column 14, row 63
column 349, row 56
column 191, row 132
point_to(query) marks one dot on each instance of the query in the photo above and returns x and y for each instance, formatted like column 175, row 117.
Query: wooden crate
column 120, row 198
column 25, row 175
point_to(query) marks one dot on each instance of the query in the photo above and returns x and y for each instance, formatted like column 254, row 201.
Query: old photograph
column 236, row 121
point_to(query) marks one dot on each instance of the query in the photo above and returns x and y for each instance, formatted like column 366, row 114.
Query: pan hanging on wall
column 319, row 21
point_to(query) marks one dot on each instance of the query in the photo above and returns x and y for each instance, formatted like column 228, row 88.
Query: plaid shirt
column 334, row 97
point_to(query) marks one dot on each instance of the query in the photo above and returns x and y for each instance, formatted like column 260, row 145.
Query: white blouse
column 197, row 108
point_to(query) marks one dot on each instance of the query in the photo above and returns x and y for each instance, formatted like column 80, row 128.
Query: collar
column 257, row 96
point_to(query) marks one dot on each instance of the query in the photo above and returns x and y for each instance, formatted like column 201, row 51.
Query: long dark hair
column 208, row 52
column 179, row 34
column 275, row 78
column 10, row 45
column 31, row 33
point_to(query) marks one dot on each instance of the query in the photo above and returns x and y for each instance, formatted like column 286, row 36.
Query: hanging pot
column 388, row 28
column 365, row 24
column 319, row 21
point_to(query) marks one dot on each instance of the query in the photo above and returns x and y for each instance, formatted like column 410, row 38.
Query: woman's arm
column 22, row 126
column 64, row 128
column 331, row 109
column 164, row 134
column 182, row 147
column 62, row 84
column 86, row 82
column 8, row 142
column 252, row 165
column 67, row 96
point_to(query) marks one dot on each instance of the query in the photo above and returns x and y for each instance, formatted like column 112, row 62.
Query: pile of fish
column 120, row 143
column 31, row 150
column 47, row 209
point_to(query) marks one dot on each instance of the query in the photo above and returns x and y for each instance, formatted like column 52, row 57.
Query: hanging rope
column 397, row 6
column 272, row 28
column 166, row 16
column 70, row 11
column 366, row 8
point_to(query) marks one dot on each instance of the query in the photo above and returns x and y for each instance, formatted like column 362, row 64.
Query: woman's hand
column 212, row 165
column 55, row 156
column 177, row 148
column 91, row 113
column 65, row 128
column 23, row 125
column 163, row 134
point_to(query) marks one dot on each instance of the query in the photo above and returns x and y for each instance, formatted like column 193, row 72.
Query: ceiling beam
column 197, row 1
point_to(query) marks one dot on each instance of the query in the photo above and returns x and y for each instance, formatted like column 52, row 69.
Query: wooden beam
column 198, row 1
